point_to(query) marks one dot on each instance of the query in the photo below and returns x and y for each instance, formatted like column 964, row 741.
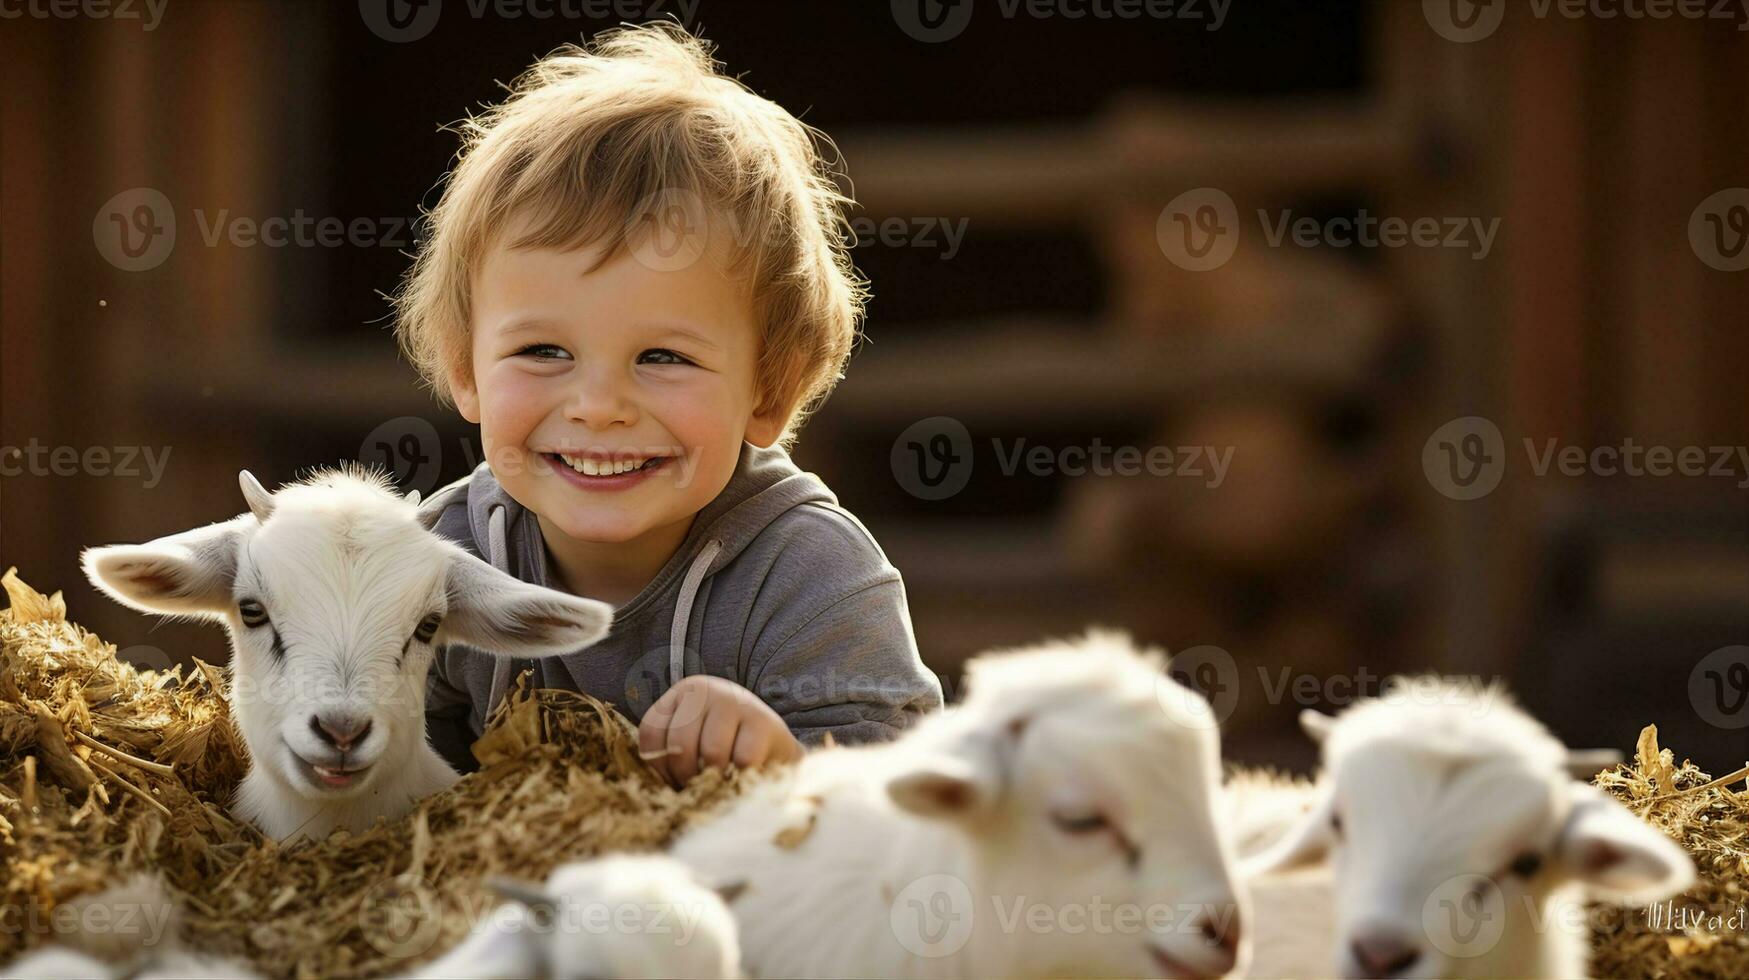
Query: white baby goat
column 1060, row 821
column 1460, row 845
column 335, row 597
column 624, row 916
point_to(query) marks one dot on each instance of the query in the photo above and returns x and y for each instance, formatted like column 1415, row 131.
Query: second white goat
column 1060, row 821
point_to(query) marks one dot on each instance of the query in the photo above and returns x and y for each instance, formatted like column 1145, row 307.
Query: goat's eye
column 253, row 612
column 1526, row 865
column 428, row 627
column 1080, row 823
column 1336, row 823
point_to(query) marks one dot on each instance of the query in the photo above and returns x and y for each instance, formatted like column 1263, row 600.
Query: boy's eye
column 661, row 355
column 542, row 351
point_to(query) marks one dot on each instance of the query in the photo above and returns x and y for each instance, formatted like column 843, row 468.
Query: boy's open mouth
column 597, row 466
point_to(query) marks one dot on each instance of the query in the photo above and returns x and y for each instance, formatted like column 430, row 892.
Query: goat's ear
column 956, row 775
column 1306, row 842
column 494, row 612
column 1316, row 724
column 1619, row 856
column 524, row 893
column 186, row 574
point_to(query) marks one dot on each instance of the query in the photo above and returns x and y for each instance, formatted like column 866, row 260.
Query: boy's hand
column 708, row 721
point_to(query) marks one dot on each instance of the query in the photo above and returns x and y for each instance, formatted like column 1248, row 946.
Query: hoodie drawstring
column 683, row 609
column 499, row 556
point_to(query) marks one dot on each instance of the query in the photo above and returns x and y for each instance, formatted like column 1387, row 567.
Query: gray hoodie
column 775, row 587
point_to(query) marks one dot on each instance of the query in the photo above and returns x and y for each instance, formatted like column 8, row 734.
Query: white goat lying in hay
column 624, row 916
column 1460, row 845
column 1059, row 821
column 335, row 596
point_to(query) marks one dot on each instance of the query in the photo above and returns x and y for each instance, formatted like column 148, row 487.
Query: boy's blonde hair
column 588, row 141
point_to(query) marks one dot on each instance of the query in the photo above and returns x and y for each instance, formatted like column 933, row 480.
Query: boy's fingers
column 717, row 741
column 653, row 736
column 682, row 752
column 752, row 746
column 653, row 745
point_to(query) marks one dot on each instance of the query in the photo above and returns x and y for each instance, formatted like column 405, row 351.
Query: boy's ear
column 464, row 394
column 765, row 428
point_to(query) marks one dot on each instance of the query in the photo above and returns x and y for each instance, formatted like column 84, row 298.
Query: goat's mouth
column 330, row 777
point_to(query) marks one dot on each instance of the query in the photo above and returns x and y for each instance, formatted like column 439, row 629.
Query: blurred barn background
column 1058, row 318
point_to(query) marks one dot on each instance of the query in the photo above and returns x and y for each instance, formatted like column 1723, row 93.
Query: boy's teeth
column 601, row 467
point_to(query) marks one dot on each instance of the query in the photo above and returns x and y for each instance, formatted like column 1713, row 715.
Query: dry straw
column 106, row 770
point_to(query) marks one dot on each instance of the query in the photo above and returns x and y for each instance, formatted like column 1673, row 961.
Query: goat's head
column 1460, row 844
column 335, row 597
column 1083, row 772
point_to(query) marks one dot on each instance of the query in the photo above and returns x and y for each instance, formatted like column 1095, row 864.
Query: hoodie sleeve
column 837, row 655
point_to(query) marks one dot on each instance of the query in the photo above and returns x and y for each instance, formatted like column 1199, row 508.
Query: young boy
column 637, row 285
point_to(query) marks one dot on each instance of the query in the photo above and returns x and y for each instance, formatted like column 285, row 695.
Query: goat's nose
column 340, row 731
column 1220, row 928
column 1380, row 953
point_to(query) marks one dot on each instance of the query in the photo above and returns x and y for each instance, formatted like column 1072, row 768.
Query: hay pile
column 107, row 770
column 1704, row 933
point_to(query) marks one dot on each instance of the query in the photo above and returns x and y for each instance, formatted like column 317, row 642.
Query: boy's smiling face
column 612, row 366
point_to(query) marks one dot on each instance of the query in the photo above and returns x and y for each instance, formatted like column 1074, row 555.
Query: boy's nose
column 600, row 401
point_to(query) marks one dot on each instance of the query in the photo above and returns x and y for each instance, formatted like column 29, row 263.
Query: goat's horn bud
column 259, row 500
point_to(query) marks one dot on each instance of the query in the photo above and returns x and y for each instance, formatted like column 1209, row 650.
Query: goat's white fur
column 623, row 916
column 132, row 930
column 346, row 575
column 986, row 811
column 1440, row 789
